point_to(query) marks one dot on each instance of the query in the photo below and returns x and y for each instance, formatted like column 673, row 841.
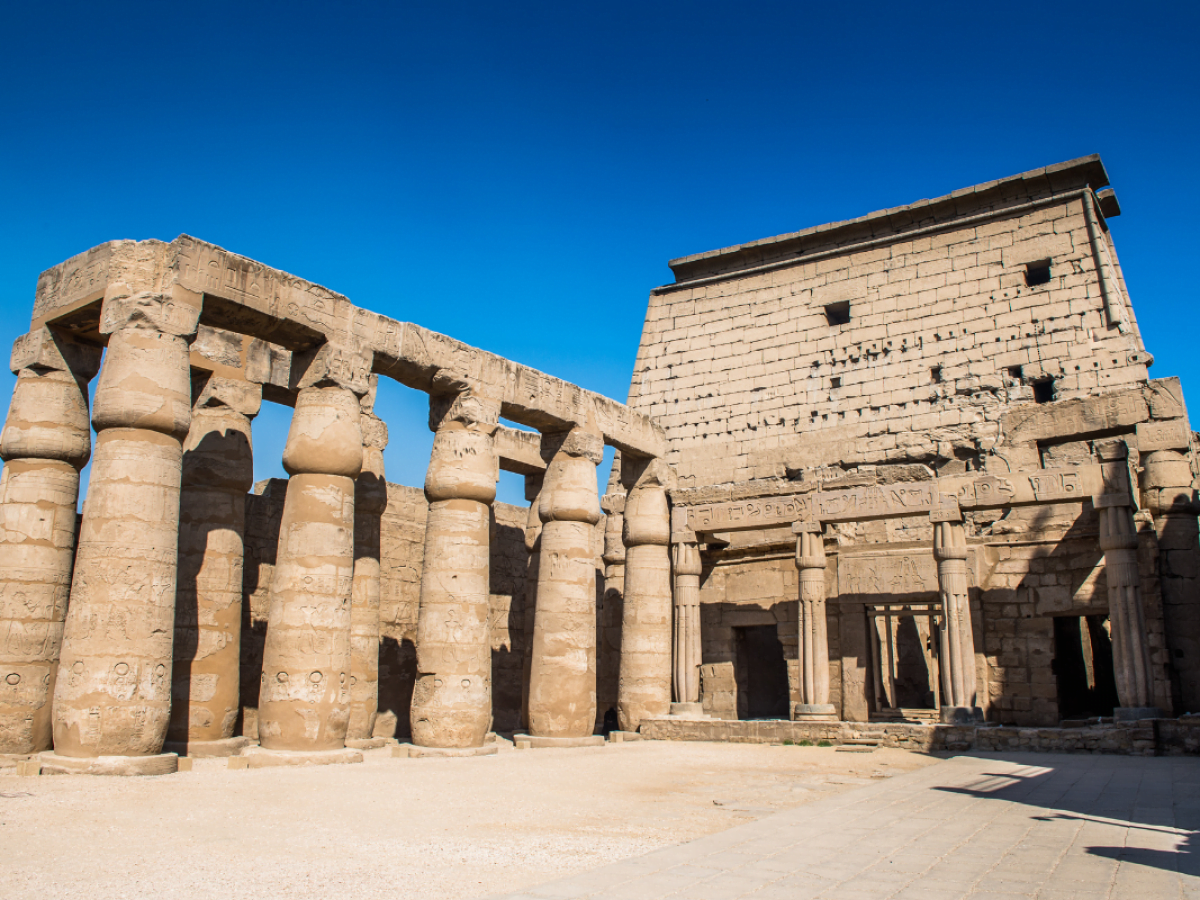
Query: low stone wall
column 1151, row 737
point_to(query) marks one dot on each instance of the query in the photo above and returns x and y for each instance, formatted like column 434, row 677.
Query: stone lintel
column 519, row 451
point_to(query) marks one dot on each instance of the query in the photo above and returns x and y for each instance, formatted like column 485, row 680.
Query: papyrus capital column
column 45, row 442
column 686, row 565
column 1119, row 541
column 452, row 698
column 370, row 500
column 218, row 471
column 533, row 543
column 562, row 678
column 645, row 685
column 813, row 637
column 958, row 644
column 113, row 694
column 304, row 697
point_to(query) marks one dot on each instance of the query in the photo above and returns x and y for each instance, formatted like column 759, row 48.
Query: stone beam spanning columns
column 957, row 640
column 452, row 698
column 685, row 561
column 562, row 677
column 45, row 442
column 218, row 471
column 304, row 698
column 112, row 699
column 813, row 637
column 645, row 684
column 370, row 500
column 1119, row 541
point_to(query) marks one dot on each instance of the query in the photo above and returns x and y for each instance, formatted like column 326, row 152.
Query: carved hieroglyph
column 218, row 470
column 562, row 678
column 645, row 684
column 113, row 694
column 370, row 500
column 452, row 698
column 304, row 697
column 46, row 441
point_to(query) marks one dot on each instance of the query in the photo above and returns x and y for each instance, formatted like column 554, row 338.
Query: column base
column 159, row 764
column 687, row 711
column 620, row 737
column 262, row 758
column 1135, row 713
column 414, row 751
column 209, row 749
column 374, row 743
column 536, row 742
column 814, row 712
column 961, row 715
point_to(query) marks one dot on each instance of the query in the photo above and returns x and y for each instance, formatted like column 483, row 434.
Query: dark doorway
column 1083, row 667
column 914, row 687
column 761, row 673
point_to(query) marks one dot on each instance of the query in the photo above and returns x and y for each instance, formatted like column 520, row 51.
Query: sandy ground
column 398, row 828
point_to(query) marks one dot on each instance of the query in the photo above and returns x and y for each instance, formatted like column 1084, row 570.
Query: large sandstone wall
column 402, row 549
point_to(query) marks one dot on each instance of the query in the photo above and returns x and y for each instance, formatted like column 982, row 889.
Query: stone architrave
column 645, row 683
column 304, row 697
column 1169, row 495
column 562, row 677
column 218, row 471
column 686, row 565
column 370, row 500
column 957, row 641
column 452, row 698
column 533, row 543
column 45, row 442
column 113, row 693
column 813, row 679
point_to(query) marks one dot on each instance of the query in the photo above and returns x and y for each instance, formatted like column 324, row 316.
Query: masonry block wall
column 989, row 330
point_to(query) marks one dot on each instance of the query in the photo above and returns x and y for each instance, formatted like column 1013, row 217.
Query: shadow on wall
column 1162, row 809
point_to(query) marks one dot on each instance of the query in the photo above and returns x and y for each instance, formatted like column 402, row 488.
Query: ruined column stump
column 452, row 698
column 645, row 683
column 113, row 694
column 562, row 680
column 370, row 500
column 218, row 471
column 45, row 442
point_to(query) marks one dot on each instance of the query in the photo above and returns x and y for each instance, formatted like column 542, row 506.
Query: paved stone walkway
column 1000, row 827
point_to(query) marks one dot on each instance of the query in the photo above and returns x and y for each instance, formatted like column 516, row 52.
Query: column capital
column 810, row 545
column 343, row 363
column 685, row 555
column 576, row 443
column 175, row 313
column 242, row 397
column 45, row 349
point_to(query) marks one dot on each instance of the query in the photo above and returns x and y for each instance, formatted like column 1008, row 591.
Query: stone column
column 645, row 686
column 1119, row 541
column 45, row 442
column 218, row 471
column 562, row 677
column 304, row 698
column 113, row 694
column 370, row 500
column 452, row 698
column 685, row 561
column 813, row 637
column 608, row 639
column 533, row 543
column 958, row 645
column 1169, row 496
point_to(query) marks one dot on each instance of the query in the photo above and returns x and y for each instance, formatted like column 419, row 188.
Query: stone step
column 858, row 745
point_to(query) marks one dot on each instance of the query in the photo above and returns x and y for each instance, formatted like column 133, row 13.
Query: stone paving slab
column 987, row 826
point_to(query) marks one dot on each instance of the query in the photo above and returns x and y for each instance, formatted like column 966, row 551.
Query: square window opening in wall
column 838, row 313
column 1037, row 273
column 1043, row 390
column 1016, row 373
column 835, row 382
column 935, row 375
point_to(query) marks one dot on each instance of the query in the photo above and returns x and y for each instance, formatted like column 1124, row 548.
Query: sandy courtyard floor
column 399, row 828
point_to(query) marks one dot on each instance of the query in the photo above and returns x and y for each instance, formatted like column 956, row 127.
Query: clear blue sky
column 518, row 175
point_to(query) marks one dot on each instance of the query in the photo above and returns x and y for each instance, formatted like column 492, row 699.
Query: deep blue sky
column 518, row 175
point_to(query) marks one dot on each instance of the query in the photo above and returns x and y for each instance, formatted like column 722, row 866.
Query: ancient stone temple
column 909, row 468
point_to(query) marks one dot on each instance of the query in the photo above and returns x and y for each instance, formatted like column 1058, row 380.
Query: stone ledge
column 209, row 749
column 159, row 764
column 262, row 758
column 412, row 751
column 535, row 742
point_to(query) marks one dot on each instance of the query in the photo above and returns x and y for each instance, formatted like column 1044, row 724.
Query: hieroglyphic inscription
column 914, row 573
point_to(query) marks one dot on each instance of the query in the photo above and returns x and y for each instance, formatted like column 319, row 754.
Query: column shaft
column 686, row 671
column 1118, row 540
column 562, row 677
column 608, row 640
column 645, row 681
column 958, row 664
column 812, row 638
column 452, row 699
column 533, row 544
column 46, row 440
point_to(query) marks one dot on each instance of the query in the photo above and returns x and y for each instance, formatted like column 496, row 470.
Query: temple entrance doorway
column 1083, row 667
column 905, row 639
column 760, row 673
